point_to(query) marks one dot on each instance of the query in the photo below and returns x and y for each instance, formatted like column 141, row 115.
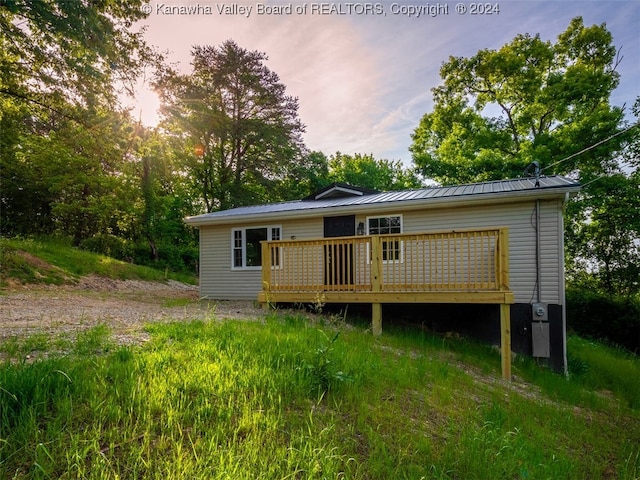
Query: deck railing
column 451, row 261
column 462, row 266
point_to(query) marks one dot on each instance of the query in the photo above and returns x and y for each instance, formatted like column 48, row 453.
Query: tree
column 236, row 111
column 76, row 168
column 530, row 100
column 60, row 51
column 603, row 235
column 163, row 198
column 533, row 100
column 302, row 178
column 368, row 172
column 59, row 61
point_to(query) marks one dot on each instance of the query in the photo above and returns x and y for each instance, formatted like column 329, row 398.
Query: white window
column 246, row 251
column 391, row 250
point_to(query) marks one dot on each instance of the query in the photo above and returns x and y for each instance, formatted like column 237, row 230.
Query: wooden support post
column 376, row 319
column 503, row 256
column 505, row 340
column 266, row 273
column 376, row 283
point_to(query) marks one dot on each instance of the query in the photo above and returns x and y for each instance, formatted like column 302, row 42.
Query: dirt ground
column 124, row 305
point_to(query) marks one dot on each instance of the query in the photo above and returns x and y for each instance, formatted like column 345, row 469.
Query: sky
column 363, row 71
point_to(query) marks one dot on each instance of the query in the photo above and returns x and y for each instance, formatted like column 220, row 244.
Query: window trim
column 400, row 258
column 243, row 244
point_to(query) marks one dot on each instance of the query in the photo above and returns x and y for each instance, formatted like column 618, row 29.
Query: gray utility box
column 540, row 330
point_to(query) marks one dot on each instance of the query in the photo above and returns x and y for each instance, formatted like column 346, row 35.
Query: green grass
column 605, row 369
column 287, row 399
column 53, row 260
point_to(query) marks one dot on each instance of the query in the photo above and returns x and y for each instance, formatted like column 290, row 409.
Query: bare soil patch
column 126, row 306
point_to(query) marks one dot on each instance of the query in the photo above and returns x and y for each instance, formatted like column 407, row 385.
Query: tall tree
column 71, row 51
column 59, row 62
column 79, row 166
column 162, row 196
column 533, row 100
column 530, row 100
column 235, row 113
column 369, row 172
column 603, row 235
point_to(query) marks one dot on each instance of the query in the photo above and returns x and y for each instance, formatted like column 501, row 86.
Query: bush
column 597, row 315
column 109, row 245
column 174, row 257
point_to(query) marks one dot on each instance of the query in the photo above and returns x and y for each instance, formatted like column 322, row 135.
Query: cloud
column 363, row 82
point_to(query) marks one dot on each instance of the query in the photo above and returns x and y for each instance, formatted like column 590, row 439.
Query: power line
column 591, row 147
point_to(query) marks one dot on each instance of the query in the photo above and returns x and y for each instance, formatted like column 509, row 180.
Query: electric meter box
column 540, row 339
column 539, row 312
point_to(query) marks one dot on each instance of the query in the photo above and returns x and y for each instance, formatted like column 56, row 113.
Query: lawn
column 290, row 398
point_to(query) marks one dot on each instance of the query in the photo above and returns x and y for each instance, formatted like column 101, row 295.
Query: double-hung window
column 392, row 249
column 246, row 249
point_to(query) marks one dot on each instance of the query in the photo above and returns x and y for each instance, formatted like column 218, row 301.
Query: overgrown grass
column 604, row 368
column 52, row 260
column 290, row 399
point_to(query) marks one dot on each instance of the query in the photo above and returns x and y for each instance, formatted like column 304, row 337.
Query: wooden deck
column 462, row 266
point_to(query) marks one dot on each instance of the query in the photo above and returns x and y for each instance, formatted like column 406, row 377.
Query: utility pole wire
column 591, row 147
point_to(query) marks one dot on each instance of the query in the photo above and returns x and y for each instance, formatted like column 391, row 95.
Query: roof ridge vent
column 340, row 190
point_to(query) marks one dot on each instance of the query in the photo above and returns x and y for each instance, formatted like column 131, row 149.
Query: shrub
column 108, row 245
column 600, row 316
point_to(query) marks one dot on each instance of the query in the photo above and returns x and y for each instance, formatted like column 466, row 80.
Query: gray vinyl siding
column 520, row 219
column 219, row 281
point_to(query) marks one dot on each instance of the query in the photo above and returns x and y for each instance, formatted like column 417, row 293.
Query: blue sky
column 364, row 81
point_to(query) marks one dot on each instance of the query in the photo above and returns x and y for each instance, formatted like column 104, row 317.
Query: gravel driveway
column 124, row 305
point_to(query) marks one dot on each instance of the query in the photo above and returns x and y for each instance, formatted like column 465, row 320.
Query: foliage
column 530, row 100
column 601, row 316
column 320, row 371
column 229, row 400
column 57, row 52
column 537, row 101
column 54, row 260
column 603, row 235
column 367, row 172
column 65, row 149
column 236, row 111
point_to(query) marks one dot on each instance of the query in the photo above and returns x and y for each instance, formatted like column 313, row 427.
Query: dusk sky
column 364, row 79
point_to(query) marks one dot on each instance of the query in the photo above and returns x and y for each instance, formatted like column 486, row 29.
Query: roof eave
column 424, row 203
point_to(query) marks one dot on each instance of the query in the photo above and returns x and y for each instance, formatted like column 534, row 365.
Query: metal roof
column 498, row 188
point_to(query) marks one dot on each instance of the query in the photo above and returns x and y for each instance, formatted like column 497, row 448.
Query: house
column 496, row 246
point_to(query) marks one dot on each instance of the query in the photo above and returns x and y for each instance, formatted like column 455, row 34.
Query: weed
column 319, row 302
column 320, row 370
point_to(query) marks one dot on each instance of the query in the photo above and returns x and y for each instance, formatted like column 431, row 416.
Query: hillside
column 103, row 391
column 53, row 261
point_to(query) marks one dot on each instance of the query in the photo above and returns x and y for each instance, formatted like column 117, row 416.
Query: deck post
column 266, row 273
column 505, row 340
column 503, row 258
column 376, row 319
column 376, row 283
